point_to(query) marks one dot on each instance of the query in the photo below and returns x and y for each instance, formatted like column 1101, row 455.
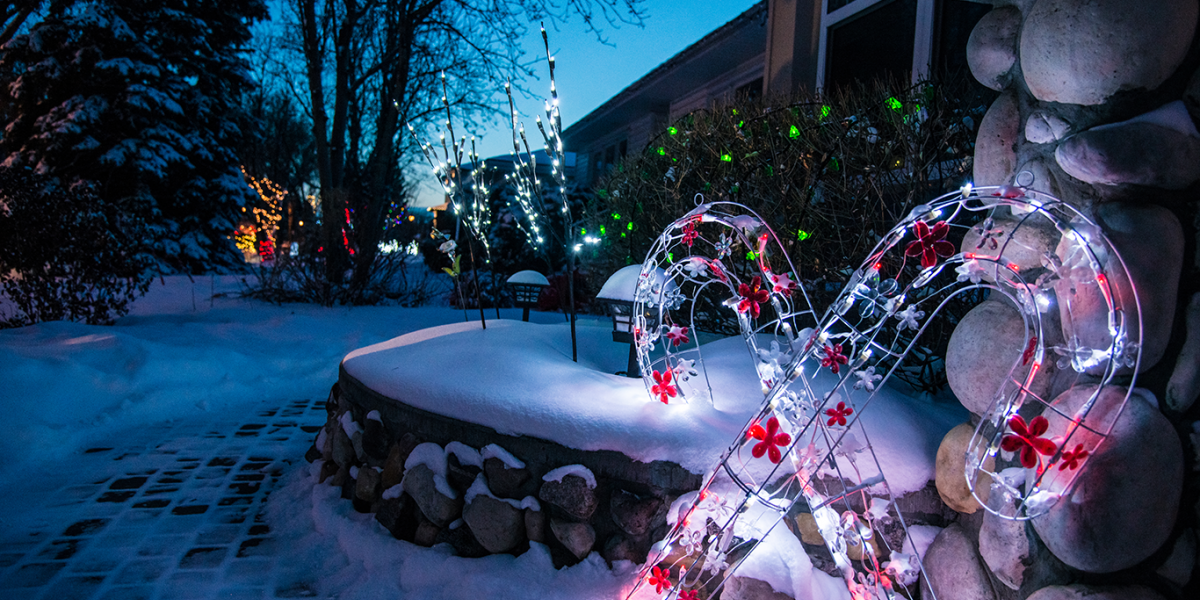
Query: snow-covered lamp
column 526, row 287
column 618, row 295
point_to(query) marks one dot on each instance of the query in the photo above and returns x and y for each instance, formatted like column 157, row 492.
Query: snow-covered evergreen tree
column 140, row 98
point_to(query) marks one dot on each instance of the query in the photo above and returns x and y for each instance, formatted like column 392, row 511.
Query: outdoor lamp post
column 526, row 287
column 618, row 295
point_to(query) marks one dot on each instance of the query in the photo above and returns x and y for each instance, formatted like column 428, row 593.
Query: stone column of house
column 1099, row 101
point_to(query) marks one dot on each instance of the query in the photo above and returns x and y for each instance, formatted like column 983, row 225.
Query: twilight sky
column 589, row 73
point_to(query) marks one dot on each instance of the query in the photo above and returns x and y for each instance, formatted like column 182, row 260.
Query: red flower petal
column 1038, row 425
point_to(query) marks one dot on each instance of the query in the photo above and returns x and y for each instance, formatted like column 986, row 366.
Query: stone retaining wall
column 388, row 459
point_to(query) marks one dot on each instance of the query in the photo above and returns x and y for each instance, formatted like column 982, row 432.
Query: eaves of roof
column 730, row 45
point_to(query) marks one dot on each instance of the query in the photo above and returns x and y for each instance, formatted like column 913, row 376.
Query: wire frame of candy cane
column 718, row 257
column 813, row 455
column 1031, row 447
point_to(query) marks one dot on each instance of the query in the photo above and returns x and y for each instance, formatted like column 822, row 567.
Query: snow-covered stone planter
column 575, row 501
column 520, row 445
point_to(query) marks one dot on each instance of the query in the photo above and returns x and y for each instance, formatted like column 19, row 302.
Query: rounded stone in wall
column 1084, row 51
column 1044, row 127
column 995, row 146
column 992, row 47
column 1088, row 592
column 954, row 569
column 950, row 468
column 986, row 344
column 1126, row 495
column 1135, row 153
column 1020, row 241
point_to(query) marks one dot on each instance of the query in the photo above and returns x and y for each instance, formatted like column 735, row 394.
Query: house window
column 750, row 91
column 877, row 42
column 861, row 39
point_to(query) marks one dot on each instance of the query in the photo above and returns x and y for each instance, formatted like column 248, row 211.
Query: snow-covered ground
column 183, row 356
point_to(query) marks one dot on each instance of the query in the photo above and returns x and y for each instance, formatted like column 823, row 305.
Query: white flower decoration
column 696, row 267
column 908, row 318
column 724, row 246
column 448, row 247
column 971, row 270
column 685, row 369
column 867, row 379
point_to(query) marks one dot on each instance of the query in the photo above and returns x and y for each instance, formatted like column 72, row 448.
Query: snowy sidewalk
column 167, row 511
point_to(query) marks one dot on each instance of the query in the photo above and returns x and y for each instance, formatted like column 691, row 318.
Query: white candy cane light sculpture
column 805, row 455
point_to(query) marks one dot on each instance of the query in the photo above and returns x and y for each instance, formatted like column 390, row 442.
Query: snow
column 579, row 471
column 528, row 277
column 779, row 559
column 622, row 285
column 190, row 349
column 466, row 455
column 433, row 456
column 319, row 532
column 349, row 425
column 518, row 378
column 494, row 451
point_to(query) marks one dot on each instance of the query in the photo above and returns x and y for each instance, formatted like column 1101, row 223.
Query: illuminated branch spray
column 529, row 190
column 448, row 171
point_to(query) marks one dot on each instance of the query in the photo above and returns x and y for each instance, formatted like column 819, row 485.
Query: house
column 778, row 47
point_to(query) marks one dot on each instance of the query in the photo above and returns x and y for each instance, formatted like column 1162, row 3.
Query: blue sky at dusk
column 589, row 72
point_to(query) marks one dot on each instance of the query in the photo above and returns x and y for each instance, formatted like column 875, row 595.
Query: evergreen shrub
column 66, row 255
column 830, row 173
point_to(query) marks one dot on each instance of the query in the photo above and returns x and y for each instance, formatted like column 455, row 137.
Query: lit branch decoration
column 529, row 191
column 805, row 455
column 448, row 170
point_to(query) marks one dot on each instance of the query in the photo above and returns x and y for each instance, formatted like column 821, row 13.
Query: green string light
column 751, row 255
column 583, row 231
column 824, row 111
column 662, row 151
column 602, row 232
column 672, row 131
column 670, row 257
column 629, row 226
column 834, row 164
column 727, row 157
column 794, row 132
column 616, row 217
column 803, row 235
column 894, row 104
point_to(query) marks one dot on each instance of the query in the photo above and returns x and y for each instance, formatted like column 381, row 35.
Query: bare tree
column 372, row 65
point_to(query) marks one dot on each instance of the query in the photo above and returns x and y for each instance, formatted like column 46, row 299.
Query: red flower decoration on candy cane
column 662, row 386
column 769, row 440
column 838, row 415
column 752, row 295
column 1027, row 439
column 833, row 357
column 783, row 284
column 930, row 243
column 690, row 234
column 689, row 595
column 677, row 335
column 1070, row 460
column 659, row 579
